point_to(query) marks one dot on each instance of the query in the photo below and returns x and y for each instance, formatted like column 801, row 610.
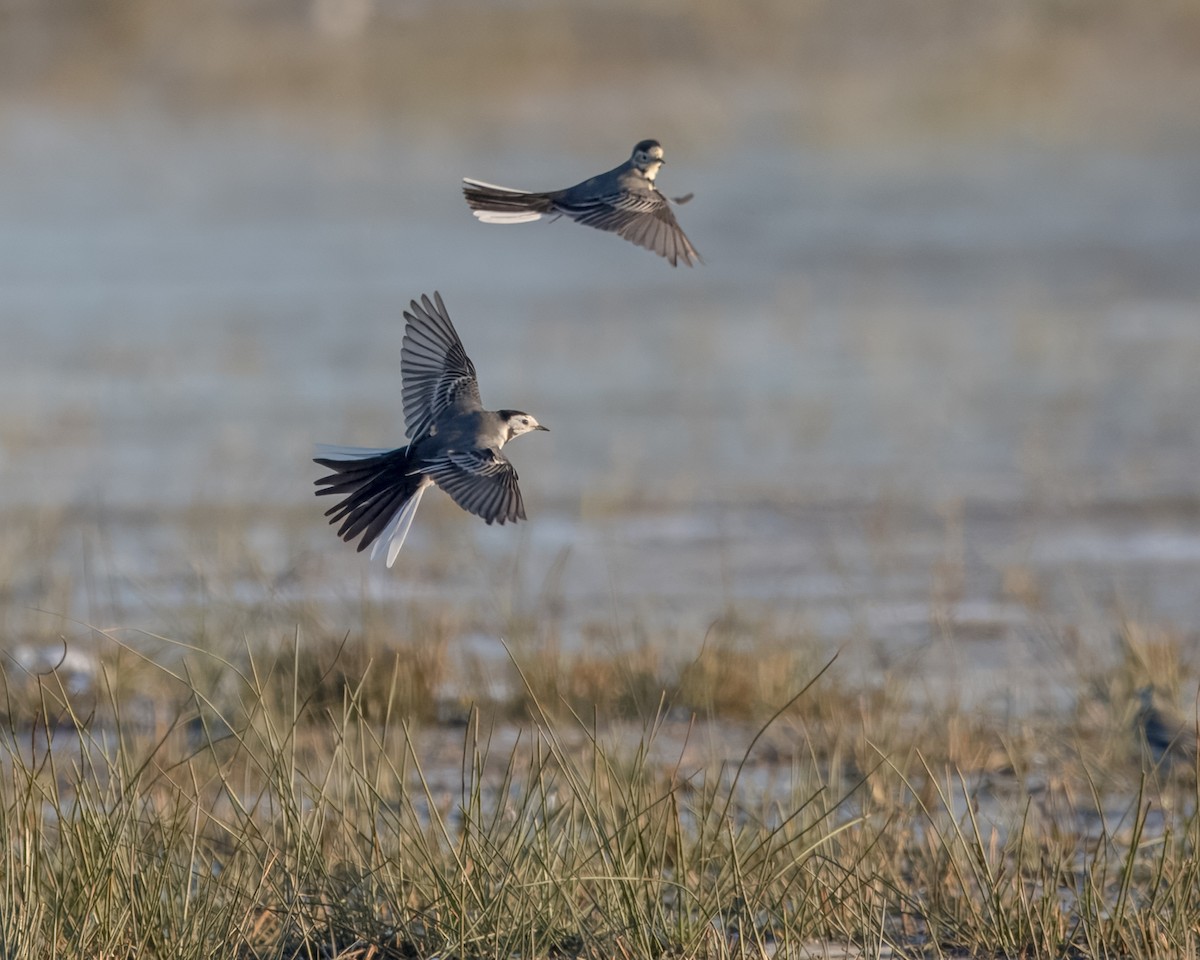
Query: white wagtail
column 624, row 201
column 1170, row 738
column 453, row 442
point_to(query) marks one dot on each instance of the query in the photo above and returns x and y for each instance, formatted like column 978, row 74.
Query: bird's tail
column 493, row 204
column 381, row 493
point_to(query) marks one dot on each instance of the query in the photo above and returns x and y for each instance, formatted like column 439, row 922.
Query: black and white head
column 648, row 157
column 519, row 422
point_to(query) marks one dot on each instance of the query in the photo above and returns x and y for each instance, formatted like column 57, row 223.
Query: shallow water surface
column 891, row 366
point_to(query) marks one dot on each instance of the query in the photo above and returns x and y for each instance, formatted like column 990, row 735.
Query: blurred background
column 935, row 386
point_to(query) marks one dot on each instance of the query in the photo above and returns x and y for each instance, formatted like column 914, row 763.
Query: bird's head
column 519, row 422
column 648, row 157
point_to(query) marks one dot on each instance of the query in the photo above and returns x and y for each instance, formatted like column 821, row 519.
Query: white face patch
column 521, row 425
column 649, row 162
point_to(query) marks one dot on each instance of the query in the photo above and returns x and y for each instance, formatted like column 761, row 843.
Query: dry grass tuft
column 298, row 808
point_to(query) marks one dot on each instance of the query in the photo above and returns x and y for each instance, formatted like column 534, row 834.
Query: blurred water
column 1009, row 336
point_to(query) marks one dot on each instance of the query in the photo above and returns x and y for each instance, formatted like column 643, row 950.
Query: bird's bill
column 542, row 426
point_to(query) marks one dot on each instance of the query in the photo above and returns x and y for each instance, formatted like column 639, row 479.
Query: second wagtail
column 624, row 201
column 453, row 442
column 1170, row 738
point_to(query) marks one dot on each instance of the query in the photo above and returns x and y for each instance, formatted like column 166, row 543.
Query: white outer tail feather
column 495, row 216
column 484, row 185
column 396, row 532
column 502, row 216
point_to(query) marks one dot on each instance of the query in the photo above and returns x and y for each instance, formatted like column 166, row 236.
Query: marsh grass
column 298, row 806
column 270, row 786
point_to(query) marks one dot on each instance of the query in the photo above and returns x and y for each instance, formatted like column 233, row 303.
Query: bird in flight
column 624, row 201
column 453, row 442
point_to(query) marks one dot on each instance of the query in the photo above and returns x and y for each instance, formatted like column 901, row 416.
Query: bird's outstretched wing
column 437, row 374
column 482, row 482
column 643, row 217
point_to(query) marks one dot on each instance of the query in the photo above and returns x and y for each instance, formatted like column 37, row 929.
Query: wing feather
column 482, row 482
column 436, row 372
column 642, row 217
